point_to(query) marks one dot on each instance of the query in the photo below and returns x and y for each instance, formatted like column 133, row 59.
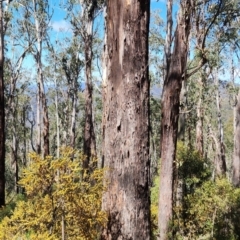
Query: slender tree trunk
column 38, row 120
column 23, row 122
column 126, row 121
column 221, row 167
column 199, row 124
column 170, row 114
column 14, row 148
column 15, row 158
column 236, row 132
column 89, row 134
column 41, row 101
column 2, row 112
column 182, row 114
column 73, row 116
column 57, row 117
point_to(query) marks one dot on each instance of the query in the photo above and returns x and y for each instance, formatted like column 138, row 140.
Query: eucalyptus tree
column 12, row 109
column 2, row 111
column 34, row 24
column 4, row 21
column 72, row 66
column 83, row 23
column 215, row 18
column 190, row 13
column 236, row 153
column 176, row 63
column 16, row 95
column 126, row 120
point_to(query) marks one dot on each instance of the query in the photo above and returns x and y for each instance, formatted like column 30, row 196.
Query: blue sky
column 58, row 21
column 62, row 28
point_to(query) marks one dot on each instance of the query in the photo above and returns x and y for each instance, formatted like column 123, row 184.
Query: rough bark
column 170, row 115
column 236, row 153
column 2, row 112
column 89, row 134
column 126, row 121
column 182, row 114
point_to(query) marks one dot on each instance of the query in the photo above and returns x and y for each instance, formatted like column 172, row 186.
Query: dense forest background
column 101, row 139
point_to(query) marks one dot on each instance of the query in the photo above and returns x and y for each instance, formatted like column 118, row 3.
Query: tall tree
column 126, row 120
column 41, row 20
column 72, row 67
column 89, row 142
column 236, row 138
column 83, row 25
column 2, row 112
column 176, row 68
column 34, row 26
column 4, row 20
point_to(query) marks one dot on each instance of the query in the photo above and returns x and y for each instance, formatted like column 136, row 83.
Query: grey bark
column 89, row 134
column 221, row 167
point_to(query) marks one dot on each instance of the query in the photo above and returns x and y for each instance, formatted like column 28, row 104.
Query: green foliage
column 212, row 212
column 154, row 208
column 208, row 209
column 192, row 168
column 57, row 198
column 10, row 206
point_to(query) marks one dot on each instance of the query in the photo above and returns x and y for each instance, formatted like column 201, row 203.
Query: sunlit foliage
column 62, row 199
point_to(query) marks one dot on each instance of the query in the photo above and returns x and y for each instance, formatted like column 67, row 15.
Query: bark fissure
column 126, row 121
column 2, row 113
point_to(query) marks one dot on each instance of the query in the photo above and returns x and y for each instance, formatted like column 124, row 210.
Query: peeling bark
column 126, row 120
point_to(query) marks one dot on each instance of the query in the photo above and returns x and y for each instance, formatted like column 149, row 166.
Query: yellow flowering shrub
column 62, row 199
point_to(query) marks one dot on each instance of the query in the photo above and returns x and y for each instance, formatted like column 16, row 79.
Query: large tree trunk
column 2, row 112
column 126, row 121
column 236, row 153
column 89, row 134
column 170, row 114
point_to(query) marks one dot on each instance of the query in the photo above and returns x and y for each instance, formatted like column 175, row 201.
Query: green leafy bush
column 212, row 212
